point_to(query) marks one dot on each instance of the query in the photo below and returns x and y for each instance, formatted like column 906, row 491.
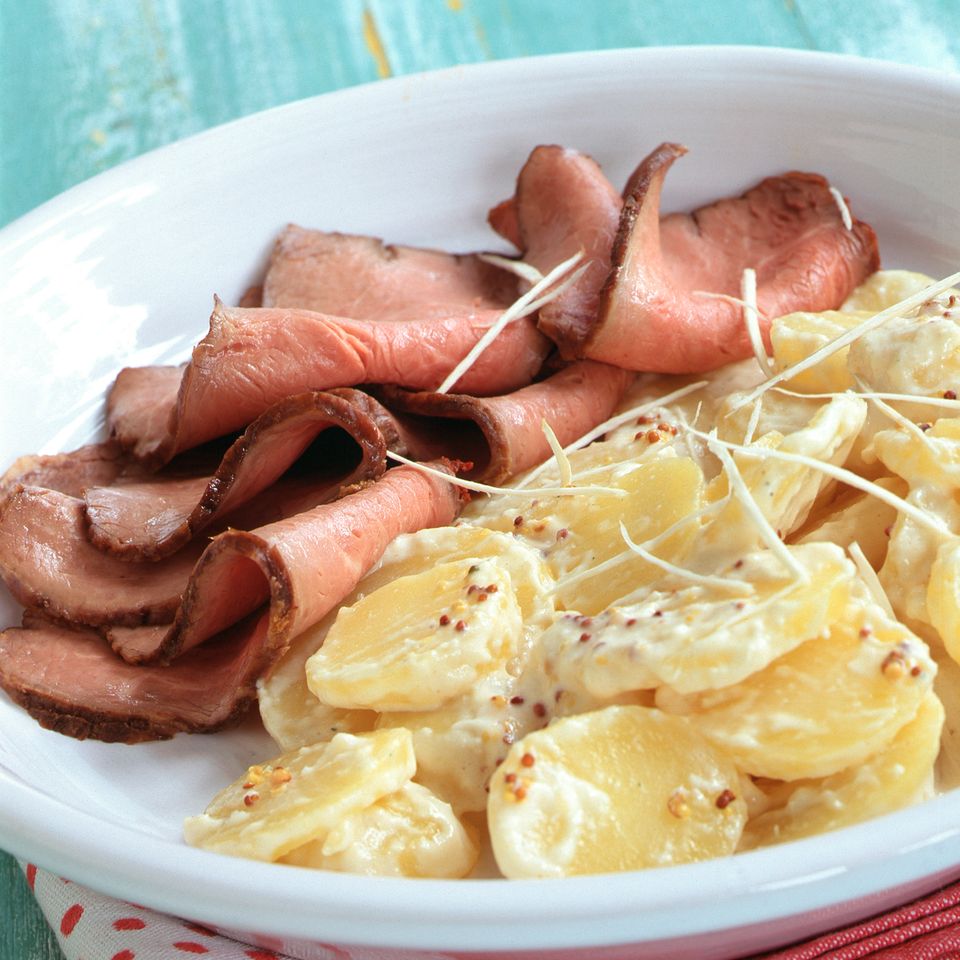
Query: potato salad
column 727, row 618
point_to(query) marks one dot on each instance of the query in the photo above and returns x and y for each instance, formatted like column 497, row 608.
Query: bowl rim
column 750, row 888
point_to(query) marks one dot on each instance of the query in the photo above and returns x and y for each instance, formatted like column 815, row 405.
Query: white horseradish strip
column 767, row 533
column 651, row 544
column 751, row 320
column 526, row 271
column 740, row 586
column 870, row 578
column 842, row 207
column 869, row 394
column 531, row 301
column 563, row 462
column 506, row 491
column 852, row 335
column 837, row 473
column 617, row 421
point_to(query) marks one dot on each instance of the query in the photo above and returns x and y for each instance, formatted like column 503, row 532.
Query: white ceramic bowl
column 122, row 270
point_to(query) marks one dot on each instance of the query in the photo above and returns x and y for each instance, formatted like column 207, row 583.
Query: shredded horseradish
column 751, row 320
column 842, row 207
column 927, row 520
column 526, row 271
column 563, row 461
column 640, row 410
column 536, row 297
column 869, row 576
column 900, row 309
column 708, row 580
column 505, row 491
column 769, row 536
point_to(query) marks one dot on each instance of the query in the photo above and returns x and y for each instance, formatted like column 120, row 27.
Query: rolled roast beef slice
column 564, row 204
column 151, row 519
column 304, row 565
column 48, row 563
column 363, row 278
column 253, row 358
column 572, row 402
column 71, row 682
column 789, row 229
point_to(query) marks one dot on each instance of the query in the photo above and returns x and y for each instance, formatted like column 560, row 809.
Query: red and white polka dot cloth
column 90, row 926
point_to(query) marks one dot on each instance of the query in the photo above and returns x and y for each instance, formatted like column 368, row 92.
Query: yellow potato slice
column 943, row 596
column 620, row 789
column 795, row 336
column 292, row 715
column 898, row 776
column 783, row 492
column 947, row 688
column 579, row 535
column 855, row 517
column 427, row 549
column 410, row 833
column 885, row 288
column 827, row 705
column 930, row 463
column 301, row 796
column 459, row 745
column 698, row 637
column 421, row 640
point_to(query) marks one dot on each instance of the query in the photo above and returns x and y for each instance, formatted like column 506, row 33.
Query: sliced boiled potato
column 899, row 775
column 619, row 789
column 459, row 745
column 856, row 517
column 426, row 549
column 782, row 492
column 292, row 715
column 943, row 596
column 827, row 705
column 580, row 537
column 930, row 464
column 884, row 289
column 947, row 688
column 301, row 796
column 421, row 640
column 409, row 833
column 696, row 636
column 796, row 336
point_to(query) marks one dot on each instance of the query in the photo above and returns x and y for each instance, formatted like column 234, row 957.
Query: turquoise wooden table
column 87, row 84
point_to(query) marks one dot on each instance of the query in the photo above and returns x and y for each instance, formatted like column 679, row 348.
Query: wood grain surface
column 87, row 84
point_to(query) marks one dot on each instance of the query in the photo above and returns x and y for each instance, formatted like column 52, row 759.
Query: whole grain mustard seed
column 725, row 799
column 894, row 666
column 678, row 806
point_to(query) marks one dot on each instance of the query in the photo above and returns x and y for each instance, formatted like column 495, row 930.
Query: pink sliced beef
column 72, row 682
column 48, row 564
column 503, row 435
column 152, row 518
column 70, row 473
column 366, row 279
column 788, row 229
column 563, row 204
column 68, row 680
column 252, row 358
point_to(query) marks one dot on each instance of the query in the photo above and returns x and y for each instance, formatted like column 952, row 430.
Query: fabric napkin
column 90, row 926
